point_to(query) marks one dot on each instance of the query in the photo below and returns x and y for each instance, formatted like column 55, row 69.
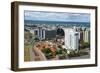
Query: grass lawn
column 27, row 52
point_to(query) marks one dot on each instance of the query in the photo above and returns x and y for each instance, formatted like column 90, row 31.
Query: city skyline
column 56, row 35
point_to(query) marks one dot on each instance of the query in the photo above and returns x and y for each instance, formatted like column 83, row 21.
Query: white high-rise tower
column 71, row 39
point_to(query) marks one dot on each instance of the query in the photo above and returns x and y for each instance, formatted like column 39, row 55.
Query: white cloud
column 56, row 16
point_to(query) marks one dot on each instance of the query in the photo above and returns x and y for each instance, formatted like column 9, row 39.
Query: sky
column 56, row 16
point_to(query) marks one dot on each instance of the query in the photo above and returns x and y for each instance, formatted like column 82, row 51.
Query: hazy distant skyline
column 56, row 16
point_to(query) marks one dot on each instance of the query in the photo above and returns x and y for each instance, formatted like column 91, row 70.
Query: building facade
column 43, row 33
column 71, row 39
column 86, row 36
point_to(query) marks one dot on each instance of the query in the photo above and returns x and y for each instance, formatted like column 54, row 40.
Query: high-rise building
column 44, row 33
column 71, row 39
column 86, row 35
column 38, row 32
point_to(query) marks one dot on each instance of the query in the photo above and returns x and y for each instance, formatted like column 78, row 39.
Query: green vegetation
column 28, row 36
column 27, row 45
column 27, row 52
column 84, row 44
column 60, row 32
column 73, row 53
column 48, row 53
column 62, row 53
column 36, row 39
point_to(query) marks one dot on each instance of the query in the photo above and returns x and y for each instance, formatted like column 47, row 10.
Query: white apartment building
column 71, row 39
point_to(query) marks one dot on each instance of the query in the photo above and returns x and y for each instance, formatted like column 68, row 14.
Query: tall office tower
column 71, row 39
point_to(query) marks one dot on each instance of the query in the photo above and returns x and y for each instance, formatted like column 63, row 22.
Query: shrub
column 85, row 45
column 73, row 53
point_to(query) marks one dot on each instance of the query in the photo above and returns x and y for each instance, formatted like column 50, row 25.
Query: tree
column 36, row 39
column 60, row 32
column 62, row 53
column 27, row 35
column 48, row 53
column 84, row 44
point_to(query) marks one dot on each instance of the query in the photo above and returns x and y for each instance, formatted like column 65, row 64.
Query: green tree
column 48, row 53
